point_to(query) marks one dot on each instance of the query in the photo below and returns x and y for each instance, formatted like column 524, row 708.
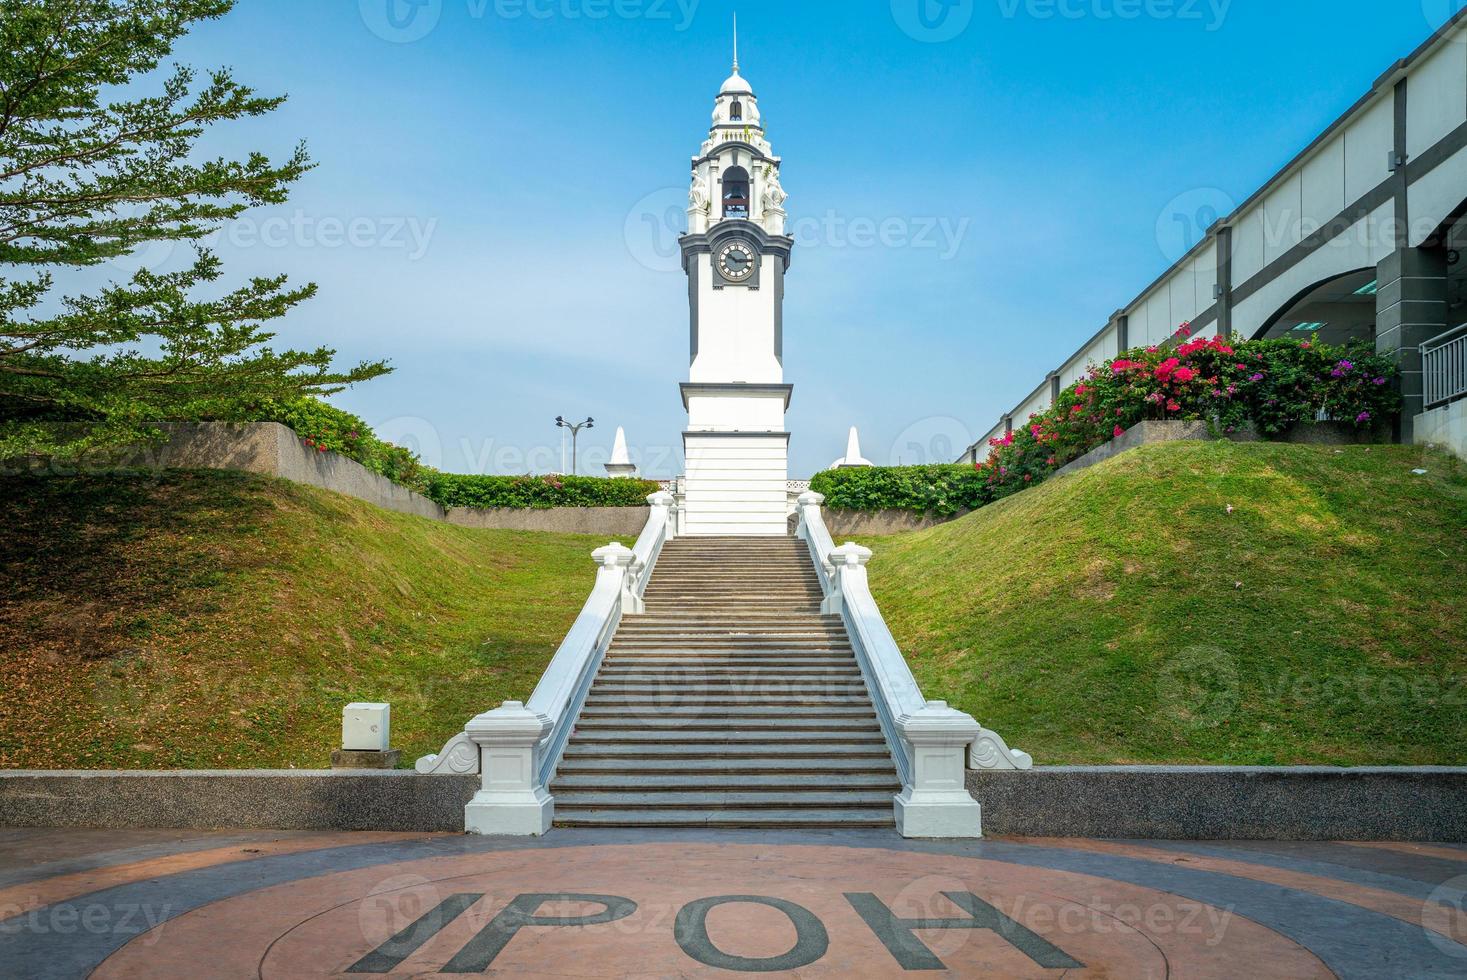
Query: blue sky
column 488, row 212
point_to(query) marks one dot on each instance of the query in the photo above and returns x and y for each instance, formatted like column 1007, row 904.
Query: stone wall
column 1138, row 802
column 242, row 800
column 272, row 449
column 1156, row 431
column 1225, row 803
column 847, row 525
column 1444, row 427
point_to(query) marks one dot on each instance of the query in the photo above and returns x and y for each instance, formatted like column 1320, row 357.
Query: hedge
column 537, row 493
column 325, row 428
column 943, row 489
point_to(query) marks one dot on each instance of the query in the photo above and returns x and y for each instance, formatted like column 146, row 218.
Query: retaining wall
column 1225, row 803
column 1445, row 427
column 1157, row 431
column 272, row 449
column 1137, row 802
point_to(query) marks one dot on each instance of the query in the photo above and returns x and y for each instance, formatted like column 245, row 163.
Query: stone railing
column 517, row 747
column 932, row 744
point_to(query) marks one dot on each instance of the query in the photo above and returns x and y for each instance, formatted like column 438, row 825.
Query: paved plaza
column 604, row 903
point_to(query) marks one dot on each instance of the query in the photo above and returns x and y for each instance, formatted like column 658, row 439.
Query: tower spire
column 736, row 42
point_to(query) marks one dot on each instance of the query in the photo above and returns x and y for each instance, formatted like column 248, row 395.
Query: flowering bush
column 1272, row 385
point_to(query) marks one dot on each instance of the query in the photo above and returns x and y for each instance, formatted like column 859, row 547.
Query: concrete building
column 1359, row 237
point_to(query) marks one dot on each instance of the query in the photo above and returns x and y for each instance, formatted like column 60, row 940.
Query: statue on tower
column 773, row 198
column 699, row 200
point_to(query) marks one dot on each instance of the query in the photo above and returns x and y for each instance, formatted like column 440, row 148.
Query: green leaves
column 83, row 181
column 941, row 490
column 537, row 493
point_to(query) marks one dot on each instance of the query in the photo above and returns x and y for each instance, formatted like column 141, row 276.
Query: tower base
column 737, row 484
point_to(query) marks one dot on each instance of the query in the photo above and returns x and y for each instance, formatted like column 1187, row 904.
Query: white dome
column 736, row 85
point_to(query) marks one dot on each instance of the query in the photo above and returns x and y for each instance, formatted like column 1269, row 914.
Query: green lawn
column 198, row 620
column 1122, row 615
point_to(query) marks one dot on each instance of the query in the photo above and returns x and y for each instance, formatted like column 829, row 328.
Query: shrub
column 537, row 493
column 1272, row 385
column 943, row 490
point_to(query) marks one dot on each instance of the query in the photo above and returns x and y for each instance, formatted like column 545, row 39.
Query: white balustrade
column 1444, row 368
column 932, row 744
column 517, row 747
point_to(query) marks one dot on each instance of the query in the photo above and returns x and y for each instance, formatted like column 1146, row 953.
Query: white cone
column 621, row 461
column 853, row 457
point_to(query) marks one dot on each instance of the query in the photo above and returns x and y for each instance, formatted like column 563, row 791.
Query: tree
column 84, row 180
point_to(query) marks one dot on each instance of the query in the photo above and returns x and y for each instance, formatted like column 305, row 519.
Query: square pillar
column 1411, row 308
column 936, row 801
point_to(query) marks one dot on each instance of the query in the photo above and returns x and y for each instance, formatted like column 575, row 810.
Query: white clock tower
column 736, row 254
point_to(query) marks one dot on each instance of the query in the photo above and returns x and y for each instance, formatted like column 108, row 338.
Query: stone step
column 692, row 738
column 687, row 725
column 693, row 667
column 790, row 753
column 802, row 607
column 634, row 709
column 815, row 767
column 715, row 782
column 657, row 690
column 731, row 819
column 720, row 799
column 637, row 628
column 657, row 700
column 671, row 620
column 753, row 663
column 763, row 660
column 691, row 672
column 753, row 644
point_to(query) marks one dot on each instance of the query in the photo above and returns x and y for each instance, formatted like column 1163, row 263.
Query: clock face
column 737, row 262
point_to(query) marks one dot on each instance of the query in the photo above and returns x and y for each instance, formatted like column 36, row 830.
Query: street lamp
column 575, row 431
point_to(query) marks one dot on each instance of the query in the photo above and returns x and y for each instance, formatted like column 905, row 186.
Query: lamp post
column 575, row 431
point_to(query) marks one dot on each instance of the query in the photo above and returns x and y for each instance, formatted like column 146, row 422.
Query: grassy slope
column 200, row 620
column 1122, row 615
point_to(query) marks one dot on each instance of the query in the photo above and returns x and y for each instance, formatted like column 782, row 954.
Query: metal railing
column 1444, row 367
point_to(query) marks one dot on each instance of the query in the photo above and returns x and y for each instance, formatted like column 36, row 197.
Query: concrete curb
column 1226, row 803
column 260, row 799
column 1127, row 802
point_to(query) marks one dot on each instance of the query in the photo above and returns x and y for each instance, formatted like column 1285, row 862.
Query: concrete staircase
column 732, row 703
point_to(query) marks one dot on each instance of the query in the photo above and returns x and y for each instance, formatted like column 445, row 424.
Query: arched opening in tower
column 736, row 193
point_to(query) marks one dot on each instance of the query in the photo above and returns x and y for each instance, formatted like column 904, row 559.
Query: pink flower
column 1362, row 418
column 1118, row 432
column 1172, row 406
column 1184, row 375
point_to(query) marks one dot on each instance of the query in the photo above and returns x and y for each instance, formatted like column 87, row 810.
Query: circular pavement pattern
column 638, row 905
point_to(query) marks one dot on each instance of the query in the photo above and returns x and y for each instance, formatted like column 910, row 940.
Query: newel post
column 936, row 803
column 809, row 504
column 666, row 501
column 849, row 560
column 510, row 800
column 617, row 562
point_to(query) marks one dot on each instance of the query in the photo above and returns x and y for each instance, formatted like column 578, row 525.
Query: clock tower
column 736, row 254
